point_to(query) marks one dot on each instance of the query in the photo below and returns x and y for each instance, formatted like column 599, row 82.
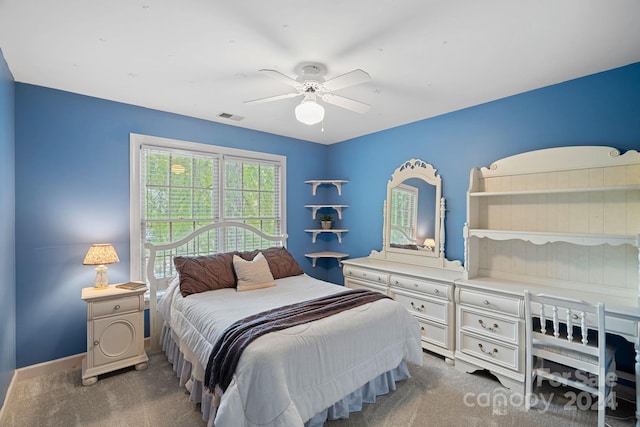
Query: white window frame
column 137, row 141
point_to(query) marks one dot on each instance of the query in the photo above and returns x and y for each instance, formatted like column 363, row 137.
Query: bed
column 298, row 376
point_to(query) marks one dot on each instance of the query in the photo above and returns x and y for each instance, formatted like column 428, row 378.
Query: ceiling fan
column 312, row 86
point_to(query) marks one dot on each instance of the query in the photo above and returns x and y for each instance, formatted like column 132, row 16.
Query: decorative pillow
column 205, row 273
column 253, row 274
column 281, row 262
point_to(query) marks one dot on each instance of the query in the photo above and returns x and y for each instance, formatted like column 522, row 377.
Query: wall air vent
column 231, row 116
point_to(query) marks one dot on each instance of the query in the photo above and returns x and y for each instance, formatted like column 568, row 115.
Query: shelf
column 327, row 254
column 337, row 208
column 316, row 182
column 554, row 191
column 336, row 231
column 540, row 238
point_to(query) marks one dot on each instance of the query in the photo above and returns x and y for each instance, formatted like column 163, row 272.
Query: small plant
column 325, row 221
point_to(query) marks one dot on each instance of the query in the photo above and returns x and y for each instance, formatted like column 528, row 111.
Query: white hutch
column 562, row 221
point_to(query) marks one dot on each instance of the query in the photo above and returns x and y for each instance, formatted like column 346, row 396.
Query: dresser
column 115, row 331
column 427, row 293
column 411, row 267
column 562, row 221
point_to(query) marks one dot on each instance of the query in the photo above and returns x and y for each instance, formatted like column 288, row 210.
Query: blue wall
column 7, row 230
column 601, row 109
column 72, row 180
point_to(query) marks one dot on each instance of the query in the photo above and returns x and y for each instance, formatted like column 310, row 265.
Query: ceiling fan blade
column 349, row 104
column 282, row 78
column 273, row 98
column 351, row 78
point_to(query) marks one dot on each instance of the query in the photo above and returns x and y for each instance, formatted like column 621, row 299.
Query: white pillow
column 253, row 274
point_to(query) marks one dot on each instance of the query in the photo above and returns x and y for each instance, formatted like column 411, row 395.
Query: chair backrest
column 562, row 334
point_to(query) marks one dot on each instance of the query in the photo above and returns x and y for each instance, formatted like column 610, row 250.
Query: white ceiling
column 201, row 58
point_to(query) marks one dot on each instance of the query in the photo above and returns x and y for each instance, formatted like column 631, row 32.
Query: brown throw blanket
column 229, row 347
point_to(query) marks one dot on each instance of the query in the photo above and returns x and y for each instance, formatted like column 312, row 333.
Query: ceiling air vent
column 231, row 116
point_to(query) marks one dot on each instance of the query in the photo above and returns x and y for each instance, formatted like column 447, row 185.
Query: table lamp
column 100, row 254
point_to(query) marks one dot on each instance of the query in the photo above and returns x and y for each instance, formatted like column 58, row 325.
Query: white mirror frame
column 416, row 168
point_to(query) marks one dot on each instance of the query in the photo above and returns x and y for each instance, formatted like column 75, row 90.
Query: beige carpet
column 436, row 395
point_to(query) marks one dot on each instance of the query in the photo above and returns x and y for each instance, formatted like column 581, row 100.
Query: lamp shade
column 309, row 112
column 100, row 254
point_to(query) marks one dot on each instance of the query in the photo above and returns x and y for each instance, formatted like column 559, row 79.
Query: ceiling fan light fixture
column 309, row 112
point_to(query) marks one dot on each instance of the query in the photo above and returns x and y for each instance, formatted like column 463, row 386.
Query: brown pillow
column 205, row 273
column 281, row 262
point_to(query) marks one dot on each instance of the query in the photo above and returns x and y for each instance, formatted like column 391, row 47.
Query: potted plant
column 325, row 221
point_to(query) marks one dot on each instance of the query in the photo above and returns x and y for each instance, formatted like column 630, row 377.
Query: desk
column 490, row 315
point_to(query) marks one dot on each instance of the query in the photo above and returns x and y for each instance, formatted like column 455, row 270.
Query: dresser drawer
column 371, row 275
column 116, row 306
column 492, row 326
column 489, row 350
column 434, row 309
column 433, row 289
column 357, row 284
column 434, row 333
column 497, row 303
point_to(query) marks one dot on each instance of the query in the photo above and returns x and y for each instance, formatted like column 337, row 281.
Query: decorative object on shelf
column 100, row 254
column 325, row 221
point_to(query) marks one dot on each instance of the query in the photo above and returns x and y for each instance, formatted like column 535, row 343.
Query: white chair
column 557, row 331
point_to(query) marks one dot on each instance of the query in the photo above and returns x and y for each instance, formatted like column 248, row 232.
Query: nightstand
column 115, row 331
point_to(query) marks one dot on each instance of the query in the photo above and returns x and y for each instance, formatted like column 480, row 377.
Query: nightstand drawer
column 489, row 350
column 433, row 289
column 115, row 306
column 370, row 275
column 493, row 326
column 437, row 310
column 491, row 302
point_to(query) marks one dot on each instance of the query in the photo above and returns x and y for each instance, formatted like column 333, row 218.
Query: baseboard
column 69, row 362
column 6, row 398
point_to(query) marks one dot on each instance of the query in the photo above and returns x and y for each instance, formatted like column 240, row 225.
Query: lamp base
column 102, row 280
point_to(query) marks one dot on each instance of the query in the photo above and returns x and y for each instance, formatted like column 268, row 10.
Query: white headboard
column 217, row 237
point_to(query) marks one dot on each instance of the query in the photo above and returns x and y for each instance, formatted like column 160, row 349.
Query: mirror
column 414, row 211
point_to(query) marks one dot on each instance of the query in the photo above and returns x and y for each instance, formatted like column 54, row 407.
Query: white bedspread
column 284, row 378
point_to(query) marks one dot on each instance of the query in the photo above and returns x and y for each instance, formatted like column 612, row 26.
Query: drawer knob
column 486, row 302
column 415, row 307
column 95, row 343
column 489, row 328
column 422, row 328
column 490, row 353
column 435, row 291
column 117, row 307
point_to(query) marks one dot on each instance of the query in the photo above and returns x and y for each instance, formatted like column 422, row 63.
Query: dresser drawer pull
column 435, row 291
column 486, row 302
column 117, row 307
column 490, row 328
column 95, row 343
column 490, row 353
column 415, row 307
column 422, row 328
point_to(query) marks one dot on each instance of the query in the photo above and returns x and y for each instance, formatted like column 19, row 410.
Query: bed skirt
column 380, row 385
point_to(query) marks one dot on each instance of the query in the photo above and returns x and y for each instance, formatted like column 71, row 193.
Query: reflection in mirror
column 412, row 213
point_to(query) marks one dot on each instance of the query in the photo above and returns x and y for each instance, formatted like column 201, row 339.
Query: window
column 178, row 187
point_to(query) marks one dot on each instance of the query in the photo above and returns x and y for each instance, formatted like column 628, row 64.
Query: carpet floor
column 437, row 394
